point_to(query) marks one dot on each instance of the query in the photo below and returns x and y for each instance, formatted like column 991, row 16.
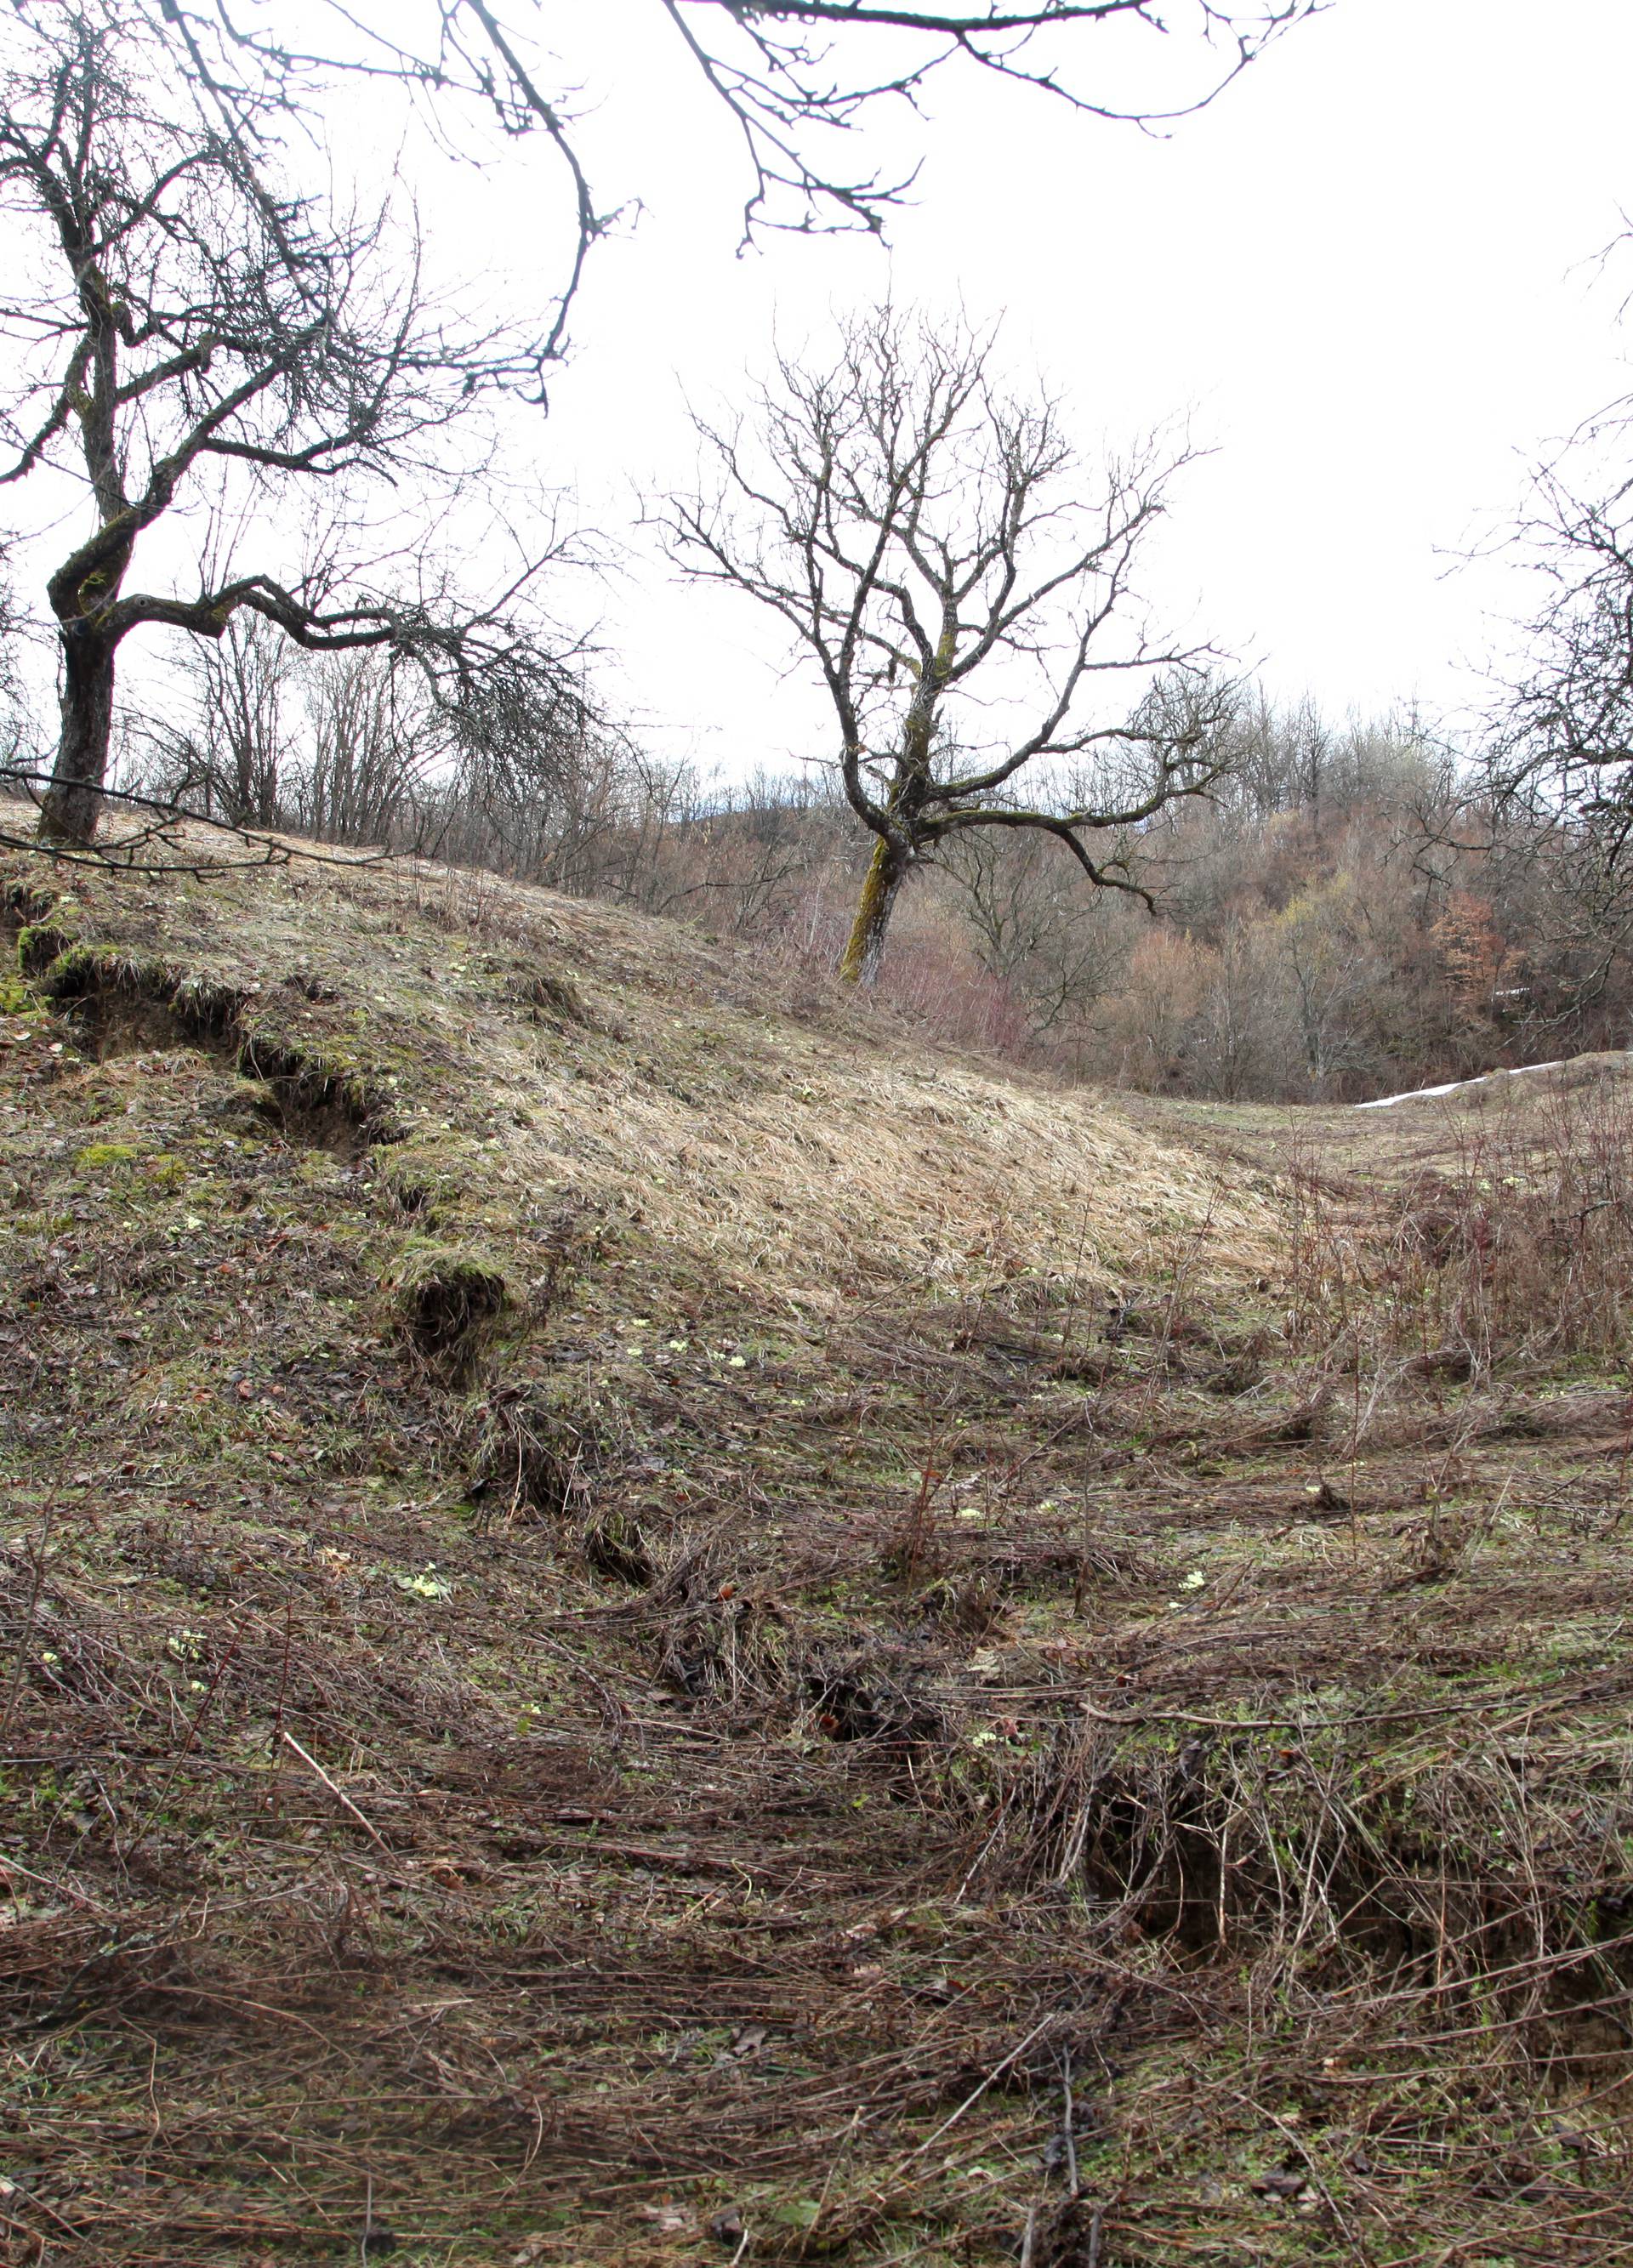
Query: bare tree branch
column 156, row 847
column 794, row 81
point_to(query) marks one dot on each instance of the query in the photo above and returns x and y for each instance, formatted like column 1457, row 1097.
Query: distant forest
column 1352, row 909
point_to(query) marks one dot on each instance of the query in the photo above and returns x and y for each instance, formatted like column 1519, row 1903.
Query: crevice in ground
column 120, row 1004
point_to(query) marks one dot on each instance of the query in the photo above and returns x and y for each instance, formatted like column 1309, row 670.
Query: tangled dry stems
column 745, row 1740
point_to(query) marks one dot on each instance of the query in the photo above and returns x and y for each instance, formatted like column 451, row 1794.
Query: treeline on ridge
column 1342, row 916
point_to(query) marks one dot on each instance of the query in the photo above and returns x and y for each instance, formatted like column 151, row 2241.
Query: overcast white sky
column 1368, row 275
column 1367, row 272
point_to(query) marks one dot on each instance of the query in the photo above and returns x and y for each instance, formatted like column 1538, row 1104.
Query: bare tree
column 935, row 547
column 1035, row 928
column 1559, row 756
column 199, row 332
column 1549, row 809
column 227, row 752
column 791, row 81
column 372, row 743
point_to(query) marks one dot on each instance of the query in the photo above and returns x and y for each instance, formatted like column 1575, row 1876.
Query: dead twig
column 339, row 1794
column 1068, row 2140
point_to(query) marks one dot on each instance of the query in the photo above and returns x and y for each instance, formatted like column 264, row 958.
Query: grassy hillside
column 646, row 1624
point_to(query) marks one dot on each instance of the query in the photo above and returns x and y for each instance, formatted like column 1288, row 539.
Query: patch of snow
column 1456, row 1086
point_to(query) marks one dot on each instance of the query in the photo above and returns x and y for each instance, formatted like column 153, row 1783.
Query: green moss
column 76, row 971
column 38, row 945
column 105, row 1157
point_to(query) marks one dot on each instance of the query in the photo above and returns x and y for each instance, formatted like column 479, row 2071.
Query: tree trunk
column 887, row 870
column 72, row 803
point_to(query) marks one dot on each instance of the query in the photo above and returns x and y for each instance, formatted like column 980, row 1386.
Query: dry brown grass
column 648, row 1630
column 805, row 1159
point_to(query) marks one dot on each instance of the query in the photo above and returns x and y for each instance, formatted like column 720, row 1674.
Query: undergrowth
column 1509, row 1247
column 1091, row 1732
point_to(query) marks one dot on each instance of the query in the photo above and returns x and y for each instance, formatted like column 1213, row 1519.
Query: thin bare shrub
column 1513, row 1251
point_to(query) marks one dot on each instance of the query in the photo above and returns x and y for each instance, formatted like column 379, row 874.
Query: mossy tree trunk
column 887, row 871
column 911, row 788
column 73, row 803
